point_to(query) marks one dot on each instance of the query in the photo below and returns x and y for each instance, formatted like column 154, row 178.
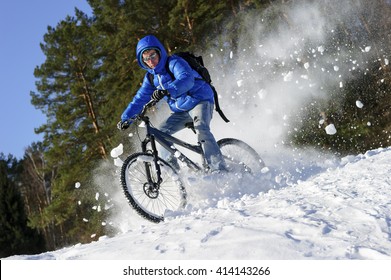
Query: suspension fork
column 154, row 152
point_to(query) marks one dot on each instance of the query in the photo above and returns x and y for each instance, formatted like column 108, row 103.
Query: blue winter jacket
column 185, row 91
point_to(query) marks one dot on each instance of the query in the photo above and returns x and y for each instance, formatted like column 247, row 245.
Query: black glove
column 122, row 125
column 159, row 94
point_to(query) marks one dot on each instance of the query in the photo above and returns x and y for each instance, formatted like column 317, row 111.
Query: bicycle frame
column 166, row 141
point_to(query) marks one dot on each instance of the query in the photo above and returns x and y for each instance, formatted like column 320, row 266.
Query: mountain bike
column 153, row 185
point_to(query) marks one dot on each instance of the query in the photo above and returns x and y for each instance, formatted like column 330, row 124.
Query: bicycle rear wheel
column 240, row 157
column 151, row 199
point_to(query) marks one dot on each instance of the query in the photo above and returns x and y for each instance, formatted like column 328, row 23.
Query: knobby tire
column 240, row 157
column 170, row 196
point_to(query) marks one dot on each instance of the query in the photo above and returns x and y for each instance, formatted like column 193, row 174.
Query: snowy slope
column 342, row 212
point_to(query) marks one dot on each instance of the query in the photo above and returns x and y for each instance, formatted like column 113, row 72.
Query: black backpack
column 197, row 63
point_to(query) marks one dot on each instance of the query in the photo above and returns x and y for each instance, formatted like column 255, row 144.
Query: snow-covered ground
column 343, row 212
column 340, row 212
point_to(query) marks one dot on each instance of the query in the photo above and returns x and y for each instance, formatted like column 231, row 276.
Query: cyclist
column 190, row 99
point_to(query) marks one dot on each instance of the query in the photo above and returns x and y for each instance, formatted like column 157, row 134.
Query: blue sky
column 22, row 26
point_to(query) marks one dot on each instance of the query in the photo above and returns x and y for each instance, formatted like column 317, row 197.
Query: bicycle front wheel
column 240, row 157
column 150, row 198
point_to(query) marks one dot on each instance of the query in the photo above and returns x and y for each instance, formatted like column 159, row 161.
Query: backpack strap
column 168, row 69
column 218, row 109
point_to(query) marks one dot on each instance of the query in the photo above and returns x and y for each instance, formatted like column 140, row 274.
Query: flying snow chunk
column 336, row 68
column 321, row 49
column 77, row 185
column 359, row 104
column 386, row 61
column 117, row 151
column 262, row 94
column 118, row 162
column 288, row 77
column 265, row 170
column 306, row 65
column 367, row 49
column 330, row 129
column 97, row 196
column 239, row 83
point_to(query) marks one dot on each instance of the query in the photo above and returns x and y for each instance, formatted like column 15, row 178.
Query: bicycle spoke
column 149, row 199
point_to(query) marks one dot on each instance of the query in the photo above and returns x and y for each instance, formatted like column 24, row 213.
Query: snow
column 359, row 104
column 330, row 129
column 340, row 212
column 117, row 151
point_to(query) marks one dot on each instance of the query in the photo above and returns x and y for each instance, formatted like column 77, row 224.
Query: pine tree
column 194, row 24
column 16, row 237
column 69, row 95
column 358, row 129
column 35, row 183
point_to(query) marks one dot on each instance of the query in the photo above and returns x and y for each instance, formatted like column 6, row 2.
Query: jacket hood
column 151, row 42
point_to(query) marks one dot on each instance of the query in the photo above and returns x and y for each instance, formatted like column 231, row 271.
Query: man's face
column 151, row 58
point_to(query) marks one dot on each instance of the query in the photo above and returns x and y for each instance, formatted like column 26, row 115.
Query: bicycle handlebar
column 141, row 116
column 150, row 104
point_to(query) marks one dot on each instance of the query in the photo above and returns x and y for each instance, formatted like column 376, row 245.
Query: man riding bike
column 189, row 97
